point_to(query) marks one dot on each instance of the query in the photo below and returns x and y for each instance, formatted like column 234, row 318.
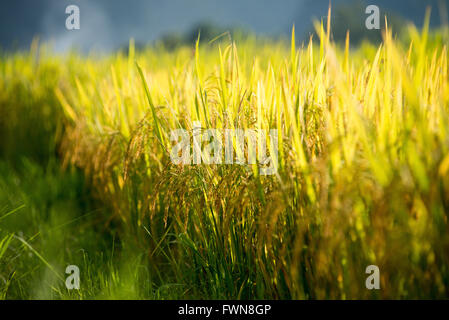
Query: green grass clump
column 53, row 225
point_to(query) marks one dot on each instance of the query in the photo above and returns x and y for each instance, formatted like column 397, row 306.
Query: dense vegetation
column 363, row 171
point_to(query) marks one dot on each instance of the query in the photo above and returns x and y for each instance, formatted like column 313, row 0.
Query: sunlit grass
column 363, row 172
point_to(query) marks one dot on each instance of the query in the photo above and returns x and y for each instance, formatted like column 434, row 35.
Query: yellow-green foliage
column 363, row 173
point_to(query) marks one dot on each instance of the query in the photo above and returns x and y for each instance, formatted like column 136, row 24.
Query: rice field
column 362, row 170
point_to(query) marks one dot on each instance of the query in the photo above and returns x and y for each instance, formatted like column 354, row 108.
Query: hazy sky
column 108, row 24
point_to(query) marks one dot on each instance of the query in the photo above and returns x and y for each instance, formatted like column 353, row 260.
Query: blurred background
column 109, row 24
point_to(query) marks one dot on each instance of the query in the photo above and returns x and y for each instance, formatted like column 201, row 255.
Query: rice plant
column 362, row 173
